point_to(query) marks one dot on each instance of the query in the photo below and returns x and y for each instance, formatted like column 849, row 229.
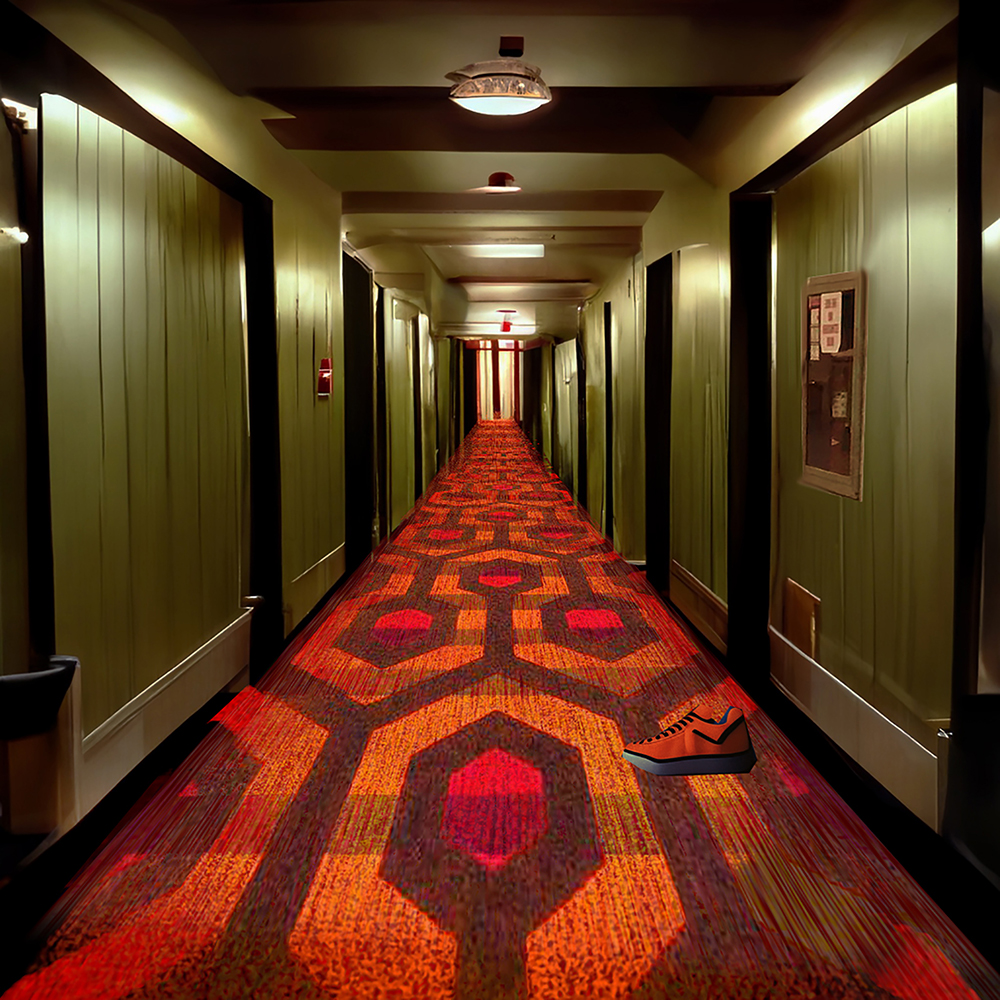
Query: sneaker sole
column 735, row 763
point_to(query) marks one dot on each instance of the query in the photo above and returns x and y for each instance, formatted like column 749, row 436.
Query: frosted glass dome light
column 504, row 86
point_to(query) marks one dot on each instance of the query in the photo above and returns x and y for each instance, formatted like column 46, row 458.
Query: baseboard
column 904, row 767
column 703, row 609
column 136, row 729
column 308, row 588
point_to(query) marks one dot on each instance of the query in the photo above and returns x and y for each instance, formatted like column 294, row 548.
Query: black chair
column 30, row 702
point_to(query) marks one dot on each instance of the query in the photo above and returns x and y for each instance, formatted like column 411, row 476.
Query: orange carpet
column 426, row 798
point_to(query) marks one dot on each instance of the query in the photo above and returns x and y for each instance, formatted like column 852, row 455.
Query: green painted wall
column 428, row 401
column 989, row 649
column 626, row 382
column 310, row 327
column 564, row 434
column 147, row 404
column 885, row 203
column 444, row 350
column 547, row 403
column 699, row 433
column 399, row 389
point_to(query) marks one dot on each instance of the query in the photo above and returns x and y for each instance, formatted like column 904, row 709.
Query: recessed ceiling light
column 504, row 86
column 505, row 250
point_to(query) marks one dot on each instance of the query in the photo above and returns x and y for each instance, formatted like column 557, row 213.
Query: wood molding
column 704, row 609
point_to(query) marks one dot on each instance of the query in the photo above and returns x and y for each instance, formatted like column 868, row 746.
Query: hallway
column 425, row 797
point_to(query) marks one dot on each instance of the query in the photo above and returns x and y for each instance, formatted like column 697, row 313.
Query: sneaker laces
column 670, row 730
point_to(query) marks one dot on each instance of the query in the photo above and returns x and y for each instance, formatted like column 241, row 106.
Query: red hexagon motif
column 495, row 808
column 402, row 628
column 500, row 576
column 595, row 624
column 445, row 534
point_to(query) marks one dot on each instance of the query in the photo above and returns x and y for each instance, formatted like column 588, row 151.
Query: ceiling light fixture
column 504, row 86
column 505, row 250
column 499, row 183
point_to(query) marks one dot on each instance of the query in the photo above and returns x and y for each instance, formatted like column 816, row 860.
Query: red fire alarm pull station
column 325, row 378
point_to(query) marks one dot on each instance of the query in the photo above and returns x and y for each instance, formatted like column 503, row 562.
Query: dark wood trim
column 659, row 360
column 267, row 628
column 517, row 385
column 609, row 430
column 359, row 411
column 749, row 533
column 703, row 609
column 455, row 400
column 418, row 410
column 495, row 356
column 41, row 569
column 470, row 371
column 972, row 414
column 381, row 420
column 928, row 68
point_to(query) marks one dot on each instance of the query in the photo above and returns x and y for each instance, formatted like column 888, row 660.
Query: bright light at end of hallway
column 505, row 250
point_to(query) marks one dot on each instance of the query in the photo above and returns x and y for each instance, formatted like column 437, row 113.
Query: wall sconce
column 325, row 380
column 16, row 234
column 25, row 116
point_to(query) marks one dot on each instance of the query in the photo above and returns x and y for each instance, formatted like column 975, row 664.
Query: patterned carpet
column 426, row 798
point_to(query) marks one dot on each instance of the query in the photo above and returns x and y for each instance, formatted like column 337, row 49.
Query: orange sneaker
column 697, row 744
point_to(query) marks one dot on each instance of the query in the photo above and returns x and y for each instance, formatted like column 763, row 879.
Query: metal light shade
column 499, row 87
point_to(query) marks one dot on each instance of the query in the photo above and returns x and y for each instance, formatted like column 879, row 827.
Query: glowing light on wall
column 991, row 235
column 21, row 113
column 821, row 113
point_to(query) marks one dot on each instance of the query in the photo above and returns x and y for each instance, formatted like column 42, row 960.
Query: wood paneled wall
column 400, row 391
column 310, row 328
column 885, row 203
column 147, row 404
column 699, row 446
column 565, row 426
column 429, row 375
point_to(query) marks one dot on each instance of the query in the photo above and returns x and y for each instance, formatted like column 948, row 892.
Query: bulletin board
column 833, row 382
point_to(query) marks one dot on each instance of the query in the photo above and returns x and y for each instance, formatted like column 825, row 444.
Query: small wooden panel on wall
column 833, row 383
column 703, row 609
column 800, row 618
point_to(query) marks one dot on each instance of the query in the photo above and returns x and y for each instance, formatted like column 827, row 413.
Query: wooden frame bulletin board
column 834, row 310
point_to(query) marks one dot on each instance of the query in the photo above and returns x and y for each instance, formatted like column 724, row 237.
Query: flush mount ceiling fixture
column 504, row 86
column 504, row 250
column 499, row 183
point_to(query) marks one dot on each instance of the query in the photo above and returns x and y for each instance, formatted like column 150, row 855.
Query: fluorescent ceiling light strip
column 505, row 250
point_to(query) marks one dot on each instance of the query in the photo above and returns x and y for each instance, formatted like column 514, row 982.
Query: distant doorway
column 659, row 376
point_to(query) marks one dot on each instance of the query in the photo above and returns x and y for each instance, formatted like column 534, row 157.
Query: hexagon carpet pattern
column 425, row 797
